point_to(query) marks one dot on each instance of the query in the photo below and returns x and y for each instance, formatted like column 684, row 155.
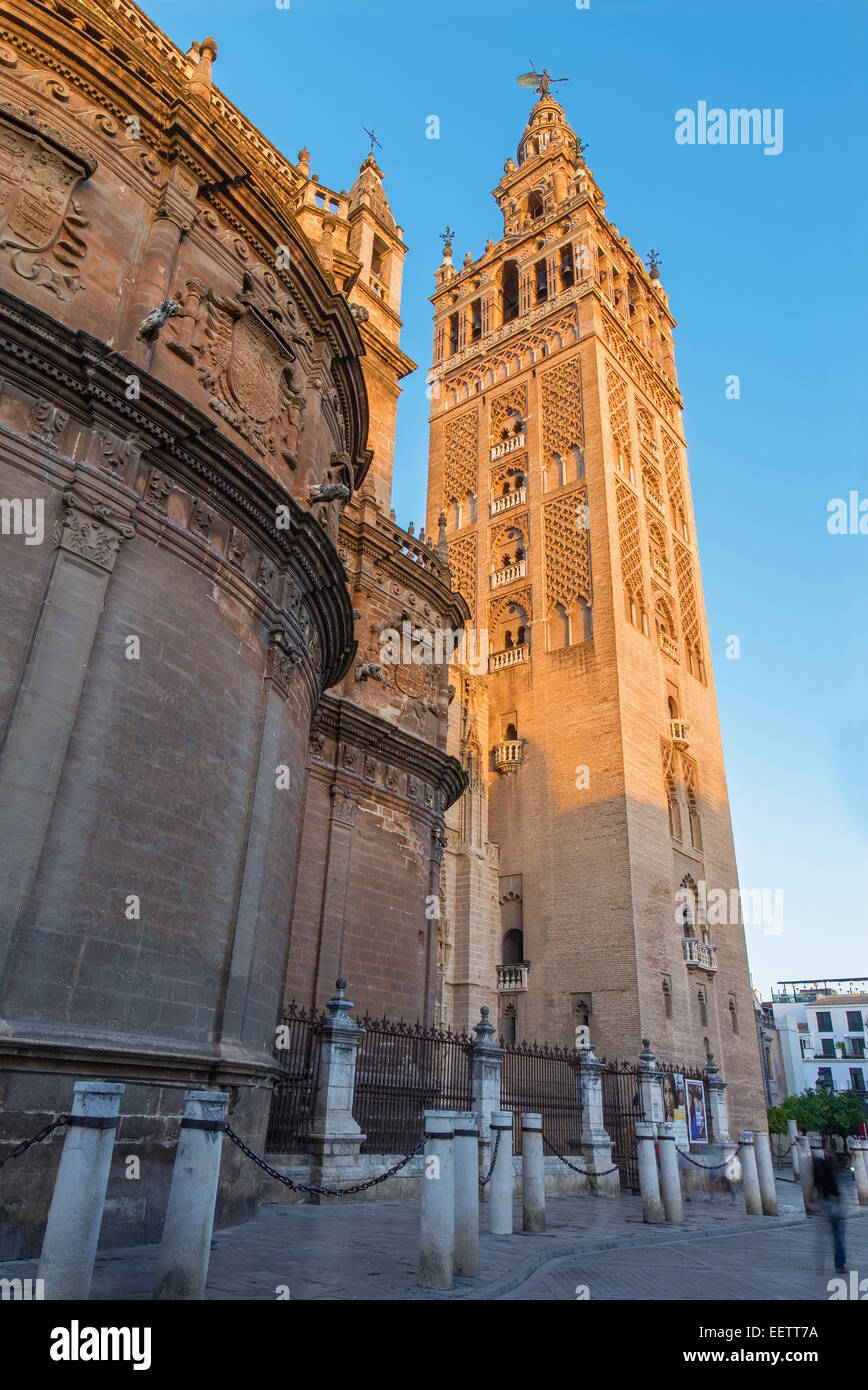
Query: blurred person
column 830, row 1201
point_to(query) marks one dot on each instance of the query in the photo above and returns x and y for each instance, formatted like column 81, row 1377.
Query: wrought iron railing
column 545, row 1080
column 403, row 1069
column 297, row 1051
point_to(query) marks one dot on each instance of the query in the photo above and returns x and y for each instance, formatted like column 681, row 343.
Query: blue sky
column 762, row 257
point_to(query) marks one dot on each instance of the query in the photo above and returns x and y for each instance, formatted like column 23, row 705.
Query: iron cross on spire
column 540, row 81
column 372, row 137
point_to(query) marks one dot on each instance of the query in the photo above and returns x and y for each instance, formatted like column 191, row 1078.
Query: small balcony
column 507, row 755
column 667, row 644
column 507, row 446
column 512, row 656
column 512, row 978
column 509, row 574
column 678, row 729
column 661, row 567
column 656, row 500
column 699, row 954
column 509, row 499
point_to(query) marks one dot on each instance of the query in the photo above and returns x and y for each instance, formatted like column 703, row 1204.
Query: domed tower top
column 547, row 126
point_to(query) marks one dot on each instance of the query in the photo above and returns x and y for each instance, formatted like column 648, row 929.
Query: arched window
column 688, row 906
column 733, row 1016
column 663, row 617
column 456, row 513
column 566, row 267
column 509, row 292
column 703, row 1007
column 535, row 205
column 541, row 281
column 674, row 808
column 511, row 733
column 673, row 707
column 559, row 628
column 693, row 813
column 513, row 947
column 509, row 1023
column 667, row 998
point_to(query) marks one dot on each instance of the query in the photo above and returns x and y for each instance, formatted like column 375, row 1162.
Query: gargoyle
column 327, row 492
column 369, row 670
column 149, row 328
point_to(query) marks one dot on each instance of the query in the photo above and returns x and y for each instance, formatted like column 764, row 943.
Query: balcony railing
column 507, row 755
column 678, row 728
column 509, row 574
column 667, row 644
column 507, row 446
column 512, row 977
column 661, row 567
column 655, row 500
column 699, row 953
column 512, row 656
column 509, row 499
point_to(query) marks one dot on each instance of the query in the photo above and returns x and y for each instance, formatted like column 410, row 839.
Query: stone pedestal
column 650, row 1085
column 793, row 1134
column 750, row 1179
column 766, row 1172
column 485, row 1064
column 75, row 1215
column 182, row 1267
column 670, row 1181
column 652, row 1209
column 806, row 1169
column 859, row 1152
column 533, row 1188
column 718, row 1115
column 596, row 1144
column 335, row 1138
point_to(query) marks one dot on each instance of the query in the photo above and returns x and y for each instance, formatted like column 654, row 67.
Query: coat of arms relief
column 244, row 349
column 41, row 222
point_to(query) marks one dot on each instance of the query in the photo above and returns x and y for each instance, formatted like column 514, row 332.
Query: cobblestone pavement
column 369, row 1250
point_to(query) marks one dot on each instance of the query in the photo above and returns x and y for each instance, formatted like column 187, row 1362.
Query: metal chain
column 311, row 1187
column 709, row 1167
column 37, row 1139
column 487, row 1178
column 585, row 1172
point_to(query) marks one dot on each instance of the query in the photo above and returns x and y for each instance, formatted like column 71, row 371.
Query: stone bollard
column 806, row 1169
column 437, row 1238
column 503, row 1177
column 75, row 1214
column 859, row 1151
column 749, row 1176
column 652, row 1211
column 793, row 1135
column 670, row 1181
column 182, row 1265
column 766, row 1172
column 533, row 1186
column 466, row 1179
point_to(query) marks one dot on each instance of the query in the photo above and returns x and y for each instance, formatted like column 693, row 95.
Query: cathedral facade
column 586, row 719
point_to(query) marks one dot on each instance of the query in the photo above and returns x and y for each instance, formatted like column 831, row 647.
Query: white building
column 821, row 1029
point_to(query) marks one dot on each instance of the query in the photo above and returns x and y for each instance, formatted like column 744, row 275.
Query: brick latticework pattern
column 619, row 413
column 647, row 435
column 673, row 480
column 687, row 599
column 561, row 397
column 462, row 563
column 670, row 784
column 514, row 401
column 567, row 550
column 461, row 448
column 631, row 546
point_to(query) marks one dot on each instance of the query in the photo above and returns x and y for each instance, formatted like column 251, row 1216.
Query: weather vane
column 372, row 137
column 541, row 81
column 653, row 262
column 447, row 235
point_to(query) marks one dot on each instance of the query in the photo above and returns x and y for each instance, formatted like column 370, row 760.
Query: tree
column 829, row 1113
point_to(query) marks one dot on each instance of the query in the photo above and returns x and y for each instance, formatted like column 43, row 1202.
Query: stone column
column 437, row 1236
column 766, row 1172
column 670, row 1181
column 596, row 1144
column 750, row 1179
column 717, row 1103
column 806, row 1169
column 652, row 1211
column 859, row 1151
column 485, row 1063
column 466, row 1168
column 793, row 1134
column 182, row 1266
column 650, row 1085
column 154, row 281
column 75, row 1214
column 47, row 701
column 335, row 1138
column 533, row 1187
column 503, row 1177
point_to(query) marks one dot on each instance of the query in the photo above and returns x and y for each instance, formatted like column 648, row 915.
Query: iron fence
column 298, row 1051
column 622, row 1107
column 547, row 1080
column 403, row 1069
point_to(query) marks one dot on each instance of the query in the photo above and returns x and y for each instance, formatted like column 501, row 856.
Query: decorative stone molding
column 48, row 423
column 92, row 530
column 282, row 658
column 344, row 808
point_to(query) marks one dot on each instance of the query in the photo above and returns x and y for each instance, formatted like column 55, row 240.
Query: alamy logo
column 737, row 126
column 19, row 1290
column 77, row 1343
column 23, row 517
column 851, row 1288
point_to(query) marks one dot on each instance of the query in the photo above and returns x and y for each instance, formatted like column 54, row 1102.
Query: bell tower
column 557, row 453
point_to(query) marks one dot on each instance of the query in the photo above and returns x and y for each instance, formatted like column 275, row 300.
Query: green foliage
column 822, row 1112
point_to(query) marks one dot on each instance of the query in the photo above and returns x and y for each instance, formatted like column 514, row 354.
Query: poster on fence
column 697, row 1124
column 675, row 1105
